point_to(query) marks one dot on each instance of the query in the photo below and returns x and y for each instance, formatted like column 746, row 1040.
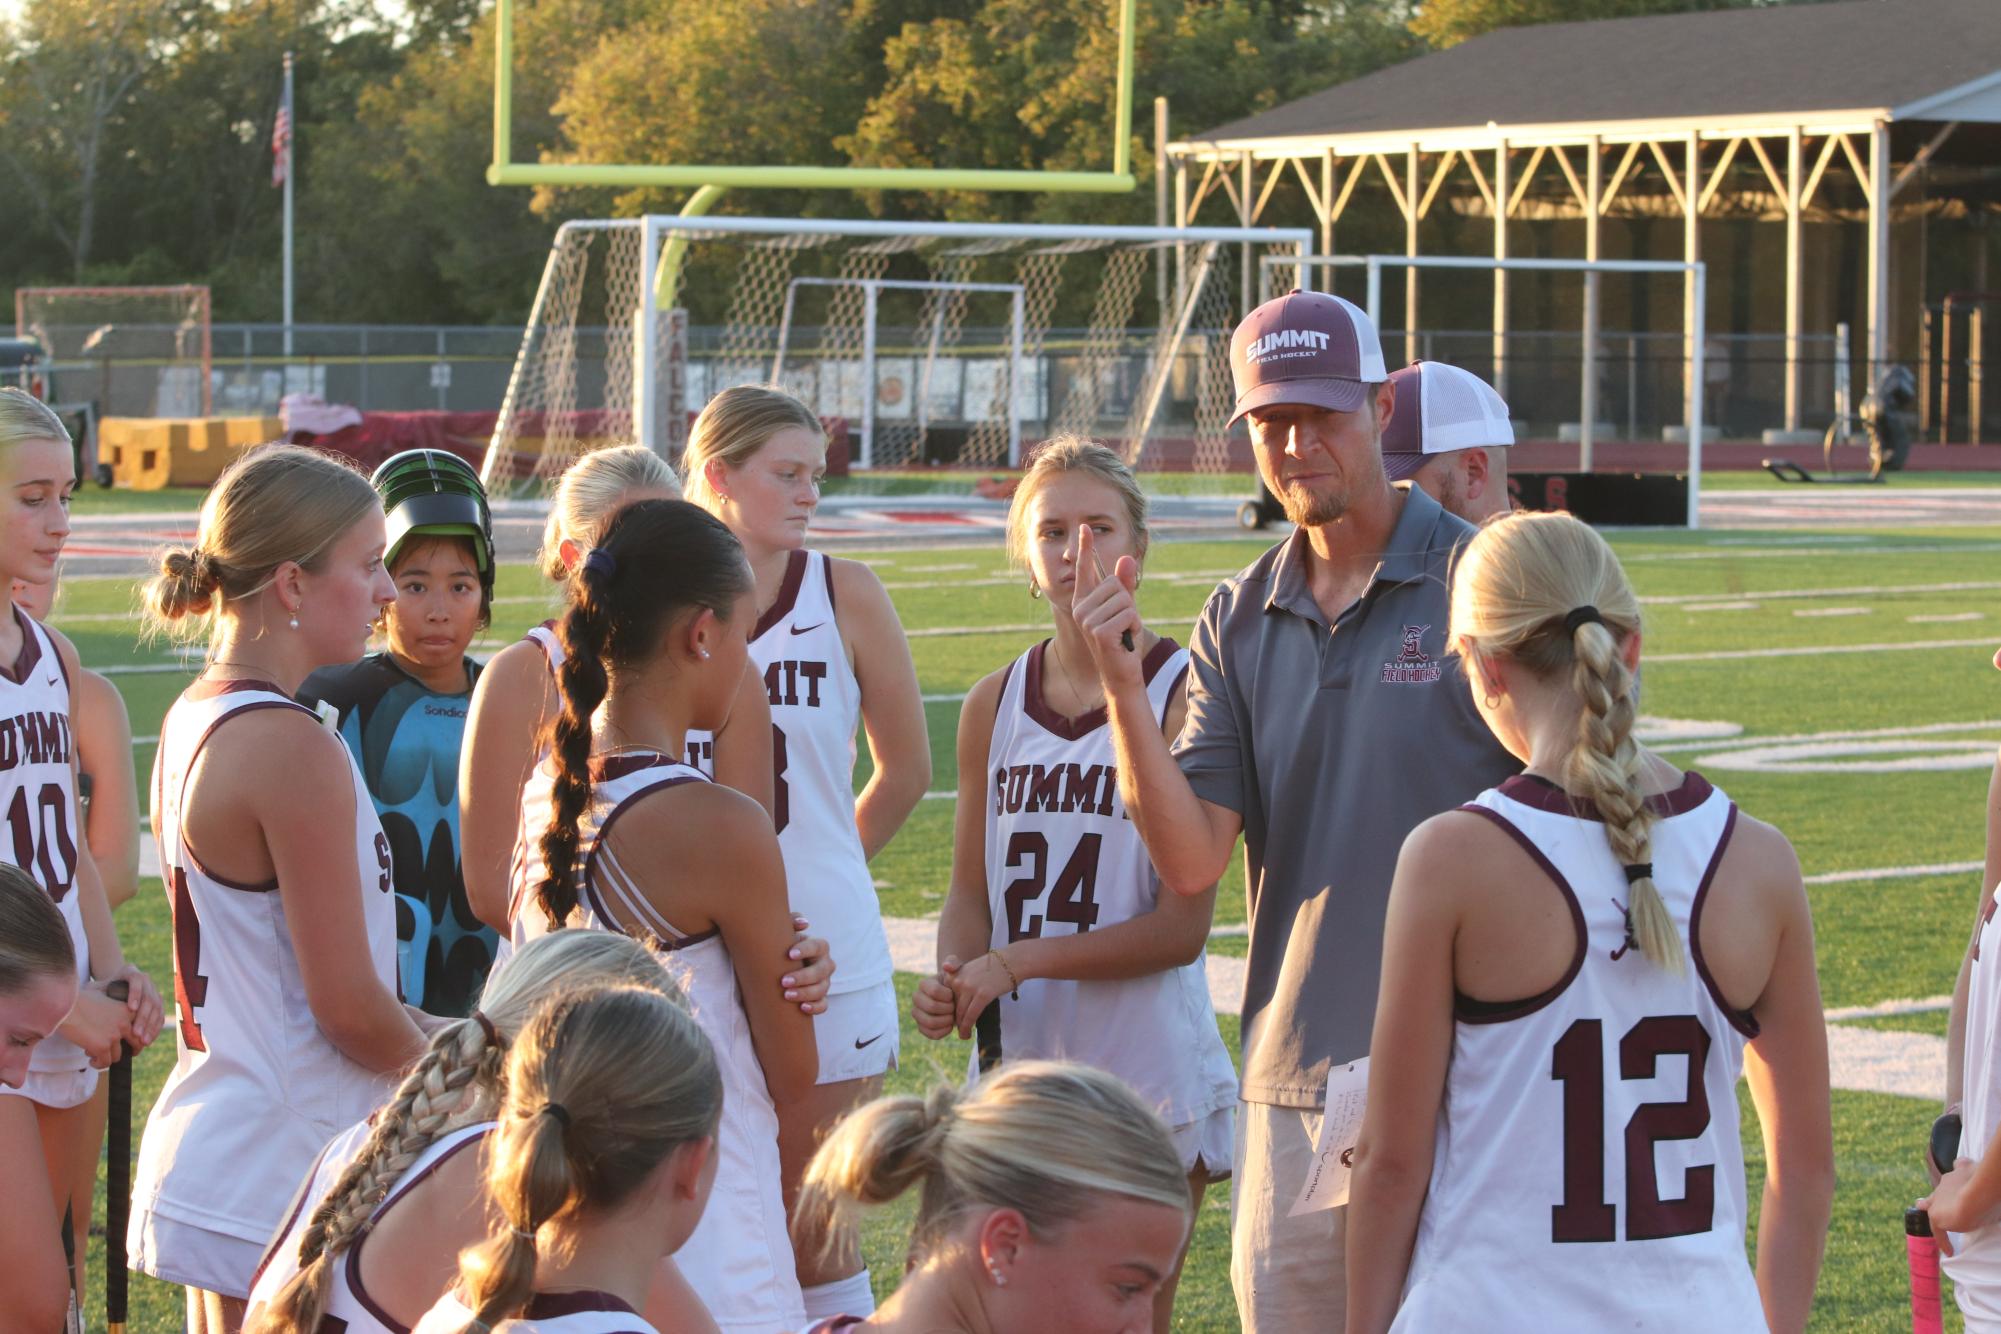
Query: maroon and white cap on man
column 1311, row 348
column 1441, row 409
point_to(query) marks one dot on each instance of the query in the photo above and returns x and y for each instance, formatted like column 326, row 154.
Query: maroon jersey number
column 1072, row 899
column 43, row 845
column 781, row 796
column 1578, row 1063
column 190, row 987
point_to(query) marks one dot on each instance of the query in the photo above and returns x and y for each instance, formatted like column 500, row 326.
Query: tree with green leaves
column 1444, row 23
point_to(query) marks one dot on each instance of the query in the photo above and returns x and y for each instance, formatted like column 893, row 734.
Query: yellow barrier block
column 152, row 453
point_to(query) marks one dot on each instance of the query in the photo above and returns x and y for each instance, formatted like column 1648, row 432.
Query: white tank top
column 739, row 1259
column 349, row 1304
column 1063, row 857
column 816, row 705
column 1975, row 1262
column 1588, row 1172
column 39, row 823
column 549, row 1313
column 256, row 1087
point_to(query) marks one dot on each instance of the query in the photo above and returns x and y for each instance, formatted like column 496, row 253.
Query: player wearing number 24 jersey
column 1577, row 966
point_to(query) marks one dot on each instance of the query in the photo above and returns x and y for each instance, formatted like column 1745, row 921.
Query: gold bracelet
column 1013, row 982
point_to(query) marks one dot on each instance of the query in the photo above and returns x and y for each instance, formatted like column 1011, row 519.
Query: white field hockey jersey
column 1062, row 858
column 739, row 1260
column 349, row 1305
column 38, row 799
column 547, row 1313
column 816, row 705
column 256, row 1089
column 1588, row 1173
column 1975, row 1263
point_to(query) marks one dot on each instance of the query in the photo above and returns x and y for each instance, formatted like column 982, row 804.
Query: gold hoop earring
column 1493, row 701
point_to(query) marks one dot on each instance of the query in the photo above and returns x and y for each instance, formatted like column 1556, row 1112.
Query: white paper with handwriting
column 1333, row 1158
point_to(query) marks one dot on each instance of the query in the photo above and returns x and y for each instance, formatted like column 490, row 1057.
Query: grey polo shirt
column 1333, row 743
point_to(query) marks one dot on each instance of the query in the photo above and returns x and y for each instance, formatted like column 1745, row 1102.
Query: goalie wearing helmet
column 402, row 712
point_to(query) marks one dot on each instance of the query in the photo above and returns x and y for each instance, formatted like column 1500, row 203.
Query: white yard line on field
column 1815, row 650
column 1866, row 1060
column 1832, row 611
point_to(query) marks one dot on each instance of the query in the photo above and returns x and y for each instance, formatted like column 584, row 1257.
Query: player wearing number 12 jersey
column 278, row 873
column 1577, row 965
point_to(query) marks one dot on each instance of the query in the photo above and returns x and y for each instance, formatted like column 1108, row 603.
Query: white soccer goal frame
column 872, row 289
column 1694, row 272
column 664, row 237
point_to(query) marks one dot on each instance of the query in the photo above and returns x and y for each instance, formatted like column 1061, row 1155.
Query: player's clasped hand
column 1103, row 607
column 806, row 982
column 977, row 985
column 934, row 1008
column 144, row 1010
column 1949, row 1208
column 97, row 1024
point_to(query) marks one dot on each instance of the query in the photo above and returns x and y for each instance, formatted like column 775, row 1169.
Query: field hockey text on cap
column 1305, row 347
column 1441, row 409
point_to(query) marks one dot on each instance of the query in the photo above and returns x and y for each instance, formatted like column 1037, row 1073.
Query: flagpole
column 291, row 159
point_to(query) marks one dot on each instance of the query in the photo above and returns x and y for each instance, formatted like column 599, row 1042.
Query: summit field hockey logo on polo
column 1282, row 343
column 1413, row 666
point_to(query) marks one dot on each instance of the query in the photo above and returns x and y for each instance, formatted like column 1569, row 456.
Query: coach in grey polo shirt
column 1325, row 721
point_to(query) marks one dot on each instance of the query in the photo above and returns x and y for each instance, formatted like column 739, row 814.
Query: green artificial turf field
column 1875, row 760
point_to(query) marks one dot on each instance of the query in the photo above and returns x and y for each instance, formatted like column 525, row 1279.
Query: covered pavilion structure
column 1874, row 125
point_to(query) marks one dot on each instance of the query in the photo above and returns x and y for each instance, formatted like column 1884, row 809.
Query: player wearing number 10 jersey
column 1577, row 965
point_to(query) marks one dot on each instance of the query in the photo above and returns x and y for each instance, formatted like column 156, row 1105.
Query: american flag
column 281, row 141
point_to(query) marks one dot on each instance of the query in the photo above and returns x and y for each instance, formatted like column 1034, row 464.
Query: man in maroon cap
column 1326, row 720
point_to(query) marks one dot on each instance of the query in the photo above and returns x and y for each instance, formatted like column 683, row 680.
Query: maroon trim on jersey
column 1075, row 729
column 397, row 1192
column 1468, row 1010
column 827, row 574
column 604, row 768
column 208, row 688
column 69, row 687
column 552, row 1305
column 1174, row 688
column 195, row 754
column 1741, row 1020
column 31, row 651
column 1535, row 791
column 788, row 592
column 598, row 905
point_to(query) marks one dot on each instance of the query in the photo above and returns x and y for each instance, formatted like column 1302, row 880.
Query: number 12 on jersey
column 1578, row 1063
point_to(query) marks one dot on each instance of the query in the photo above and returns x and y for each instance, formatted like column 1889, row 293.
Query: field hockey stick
column 117, row 1175
column 1920, row 1246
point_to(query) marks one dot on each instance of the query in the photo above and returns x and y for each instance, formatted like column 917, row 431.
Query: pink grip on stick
column 1926, row 1315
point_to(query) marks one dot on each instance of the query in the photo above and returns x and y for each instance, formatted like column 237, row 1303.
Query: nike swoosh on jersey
column 859, row 1044
column 807, row 630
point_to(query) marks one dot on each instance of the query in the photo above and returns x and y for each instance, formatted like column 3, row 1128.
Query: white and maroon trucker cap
column 1305, row 347
column 1439, row 409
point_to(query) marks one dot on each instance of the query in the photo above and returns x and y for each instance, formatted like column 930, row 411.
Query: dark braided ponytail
column 658, row 559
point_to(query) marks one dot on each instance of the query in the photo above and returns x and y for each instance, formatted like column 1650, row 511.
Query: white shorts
column 1210, row 1141
column 860, row 1035
column 194, row 1257
column 60, row 1089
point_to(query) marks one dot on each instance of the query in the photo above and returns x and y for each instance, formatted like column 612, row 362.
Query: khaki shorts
column 1289, row 1274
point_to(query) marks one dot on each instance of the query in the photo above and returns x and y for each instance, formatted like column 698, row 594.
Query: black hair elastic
column 557, row 1110
column 1583, row 615
column 1638, row 871
column 600, row 564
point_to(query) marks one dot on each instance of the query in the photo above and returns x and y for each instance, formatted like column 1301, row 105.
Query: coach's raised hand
column 1103, row 607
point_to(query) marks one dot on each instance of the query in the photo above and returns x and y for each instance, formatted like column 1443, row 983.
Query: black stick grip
column 117, row 1175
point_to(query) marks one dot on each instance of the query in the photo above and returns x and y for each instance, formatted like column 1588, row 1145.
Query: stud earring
column 1000, row 1279
column 704, row 652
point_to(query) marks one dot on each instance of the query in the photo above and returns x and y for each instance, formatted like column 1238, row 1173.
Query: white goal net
column 939, row 345
column 126, row 351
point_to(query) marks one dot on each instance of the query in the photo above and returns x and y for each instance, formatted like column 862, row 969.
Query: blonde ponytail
column 1546, row 591
column 458, row 1081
